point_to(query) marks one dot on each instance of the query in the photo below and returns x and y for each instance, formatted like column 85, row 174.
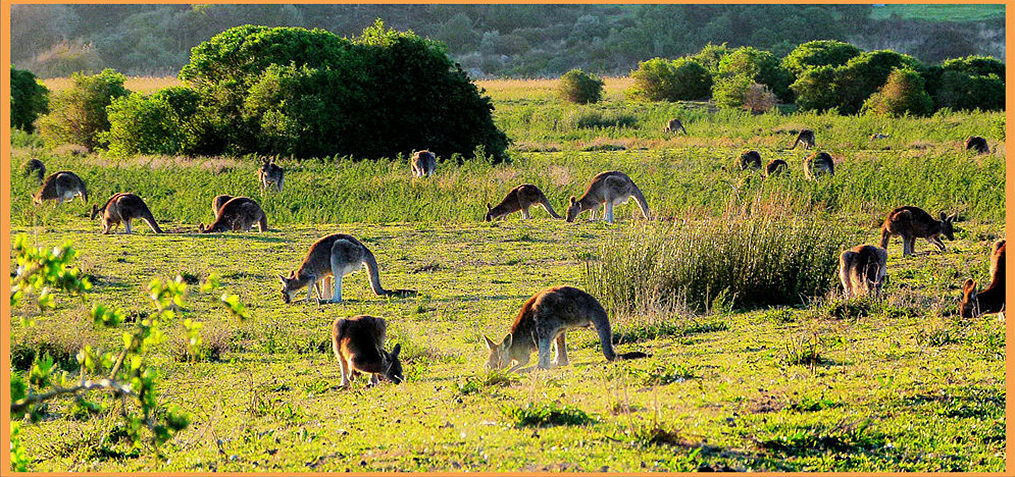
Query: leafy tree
column 729, row 92
column 816, row 89
column 165, row 122
column 29, row 99
column 975, row 66
column 78, row 114
column 864, row 74
column 819, row 53
column 664, row 80
column 959, row 91
column 710, row 56
column 902, row 94
column 580, row 87
column 758, row 66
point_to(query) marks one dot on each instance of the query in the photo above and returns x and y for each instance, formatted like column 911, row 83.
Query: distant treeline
column 487, row 40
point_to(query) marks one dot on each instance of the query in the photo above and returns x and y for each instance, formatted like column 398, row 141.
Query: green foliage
column 78, row 115
column 819, row 53
column 759, row 67
column 902, row 94
column 310, row 93
column 577, row 86
column 845, row 88
column 165, row 122
column 29, row 99
column 710, row 56
column 959, row 90
column 547, row 414
column 659, row 79
column 730, row 92
column 975, row 65
column 816, row 89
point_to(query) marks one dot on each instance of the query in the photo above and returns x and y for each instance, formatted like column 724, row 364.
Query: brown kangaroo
column 543, row 320
column 218, row 202
column 62, row 186
column 607, row 188
column 862, row 270
column 124, row 207
column 991, row 299
column 776, row 166
column 358, row 343
column 805, row 137
column 520, row 199
column 673, row 126
column 911, row 223
column 978, row 144
column 239, row 214
column 423, row 164
column 818, row 164
column 334, row 256
column 270, row 174
column 749, row 160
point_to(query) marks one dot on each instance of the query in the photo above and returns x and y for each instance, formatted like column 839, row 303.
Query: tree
column 165, row 122
column 29, row 99
column 78, row 114
column 664, row 80
column 760, row 67
column 819, row 53
column 902, row 94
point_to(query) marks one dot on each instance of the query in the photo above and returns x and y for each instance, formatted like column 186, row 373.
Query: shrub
column 816, row 89
column 730, row 92
column 312, row 93
column 663, row 80
column 710, row 56
column 819, row 53
column 975, row 66
column 161, row 123
column 580, row 87
column 759, row 99
column 758, row 66
column 29, row 99
column 902, row 94
column 78, row 115
column 959, row 90
column 864, row 74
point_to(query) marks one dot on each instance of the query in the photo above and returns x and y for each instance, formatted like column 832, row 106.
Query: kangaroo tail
column 640, row 198
column 373, row 273
column 602, row 324
column 263, row 223
column 549, row 208
column 150, row 220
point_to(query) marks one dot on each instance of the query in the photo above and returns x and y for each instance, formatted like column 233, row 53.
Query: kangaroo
column 805, row 137
column 520, row 198
column 876, row 136
column 358, row 343
column 991, row 299
column 673, row 126
column 749, row 160
column 543, row 320
column 37, row 167
column 423, row 164
column 62, row 186
column 911, row 223
column 124, row 207
column 218, row 202
column 818, row 164
column 776, row 166
column 978, row 144
column 239, row 214
column 862, row 270
column 271, row 175
column 610, row 188
column 334, row 256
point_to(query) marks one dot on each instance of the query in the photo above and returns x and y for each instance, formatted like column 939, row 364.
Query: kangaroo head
column 500, row 353
column 392, row 366
column 947, row 229
column 95, row 211
column 573, row 209
column 289, row 287
column 489, row 210
column 967, row 307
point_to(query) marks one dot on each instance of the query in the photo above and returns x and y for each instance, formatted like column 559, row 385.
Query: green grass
column 939, row 13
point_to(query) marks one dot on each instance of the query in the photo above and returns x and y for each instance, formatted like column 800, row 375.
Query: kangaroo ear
column 490, row 345
column 488, row 207
column 969, row 286
column 944, row 218
column 281, row 279
column 398, row 349
column 507, row 341
column 573, row 200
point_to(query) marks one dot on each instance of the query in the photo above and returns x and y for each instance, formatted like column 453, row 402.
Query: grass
column 940, row 13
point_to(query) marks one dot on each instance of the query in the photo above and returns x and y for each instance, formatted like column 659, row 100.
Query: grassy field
column 940, row 13
column 826, row 384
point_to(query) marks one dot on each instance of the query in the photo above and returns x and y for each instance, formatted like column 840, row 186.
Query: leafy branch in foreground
column 126, row 376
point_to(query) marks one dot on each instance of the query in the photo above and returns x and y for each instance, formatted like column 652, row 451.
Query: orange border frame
column 5, row 221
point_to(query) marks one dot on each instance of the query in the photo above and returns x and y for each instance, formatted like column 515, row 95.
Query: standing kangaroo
column 862, row 270
column 271, row 174
column 749, row 160
column 334, row 256
column 239, row 214
column 62, row 186
column 978, row 144
column 673, row 126
column 817, row 164
column 36, row 167
column 911, row 223
column 805, row 137
column 124, row 207
column 423, row 164
column 543, row 320
column 358, row 343
column 610, row 188
column 520, row 198
column 777, row 166
column 991, row 299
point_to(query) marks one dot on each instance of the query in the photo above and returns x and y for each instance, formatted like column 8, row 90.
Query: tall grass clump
column 755, row 261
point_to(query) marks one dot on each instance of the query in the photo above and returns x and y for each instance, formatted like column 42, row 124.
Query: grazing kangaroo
column 37, row 167
column 62, row 186
column 805, row 137
column 334, row 256
column 543, row 320
column 862, row 270
column 124, row 207
column 749, row 160
column 218, row 202
column 911, row 223
column 991, row 299
column 818, row 164
column 239, row 214
column 423, row 164
column 978, row 144
column 610, row 188
column 271, row 174
column 358, row 343
column 520, row 198
column 776, row 166
column 673, row 126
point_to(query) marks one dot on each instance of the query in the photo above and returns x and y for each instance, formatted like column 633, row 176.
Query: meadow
column 817, row 383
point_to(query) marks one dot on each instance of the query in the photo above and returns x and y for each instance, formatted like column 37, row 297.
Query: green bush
column 816, row 89
column 729, row 92
column 710, row 56
column 759, row 67
column 846, row 87
column 78, row 114
column 580, row 87
column 165, row 122
column 664, row 80
column 29, row 99
column 902, row 94
column 975, row 66
column 311, row 93
column 961, row 91
column 819, row 53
